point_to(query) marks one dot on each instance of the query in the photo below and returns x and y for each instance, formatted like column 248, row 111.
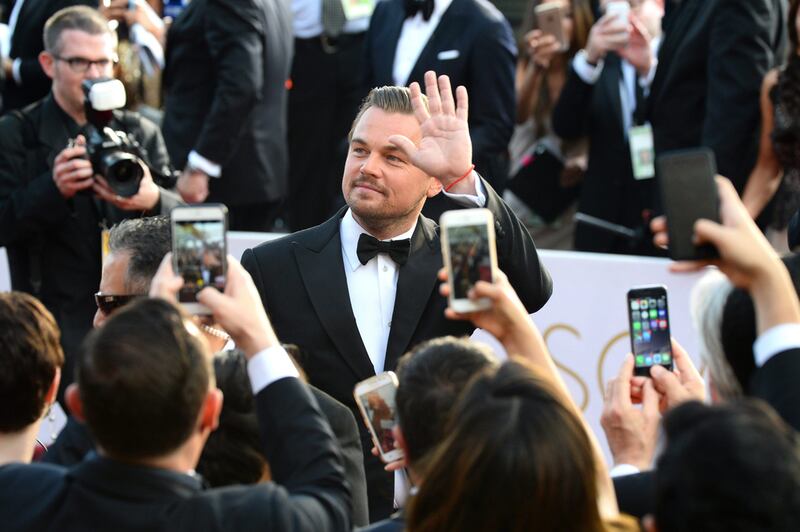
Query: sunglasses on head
column 108, row 303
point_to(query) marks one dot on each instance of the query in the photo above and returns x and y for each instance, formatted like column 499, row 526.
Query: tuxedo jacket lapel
column 322, row 270
column 416, row 282
column 611, row 85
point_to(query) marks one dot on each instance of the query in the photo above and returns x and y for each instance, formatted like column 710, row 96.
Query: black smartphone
column 199, row 251
column 648, row 316
column 688, row 192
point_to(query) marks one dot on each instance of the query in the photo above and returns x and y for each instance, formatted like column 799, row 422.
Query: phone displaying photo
column 548, row 19
column 688, row 192
column 648, row 316
column 375, row 398
column 199, row 251
column 468, row 249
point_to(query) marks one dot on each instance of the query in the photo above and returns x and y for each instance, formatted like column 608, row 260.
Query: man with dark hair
column 431, row 378
column 30, row 368
column 731, row 467
column 146, row 390
column 53, row 207
column 358, row 291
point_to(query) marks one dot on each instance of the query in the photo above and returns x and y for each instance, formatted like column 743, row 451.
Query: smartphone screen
column 649, row 328
column 470, row 258
column 376, row 398
column 199, row 255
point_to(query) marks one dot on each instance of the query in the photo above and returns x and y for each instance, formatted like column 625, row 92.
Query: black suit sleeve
column 250, row 264
column 517, row 256
column 234, row 34
column 776, row 382
column 572, row 110
column 28, row 203
column 740, row 54
column 636, row 493
column 303, row 459
column 491, row 88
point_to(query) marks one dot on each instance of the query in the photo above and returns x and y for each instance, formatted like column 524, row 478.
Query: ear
column 50, row 396
column 434, row 188
column 48, row 63
column 212, row 408
column 74, row 403
column 649, row 523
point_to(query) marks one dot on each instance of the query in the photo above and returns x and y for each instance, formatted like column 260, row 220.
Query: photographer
column 53, row 206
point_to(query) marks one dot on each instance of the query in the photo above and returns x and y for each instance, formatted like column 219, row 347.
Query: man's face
column 68, row 67
column 112, row 281
column 380, row 185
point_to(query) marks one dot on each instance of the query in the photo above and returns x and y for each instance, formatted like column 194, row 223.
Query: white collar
column 350, row 231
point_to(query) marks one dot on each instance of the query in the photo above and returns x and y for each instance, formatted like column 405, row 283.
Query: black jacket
column 303, row 286
column 53, row 243
column 308, row 492
column 225, row 94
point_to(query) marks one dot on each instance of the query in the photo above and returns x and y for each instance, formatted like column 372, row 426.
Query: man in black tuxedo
column 25, row 80
column 468, row 40
column 602, row 99
column 52, row 208
column 225, row 78
column 150, row 402
column 711, row 63
column 354, row 313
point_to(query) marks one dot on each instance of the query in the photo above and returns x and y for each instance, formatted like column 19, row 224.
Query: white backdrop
column 584, row 323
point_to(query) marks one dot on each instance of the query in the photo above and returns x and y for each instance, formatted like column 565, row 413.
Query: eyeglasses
column 108, row 303
column 79, row 65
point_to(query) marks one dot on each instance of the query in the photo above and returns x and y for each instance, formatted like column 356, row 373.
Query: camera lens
column 123, row 173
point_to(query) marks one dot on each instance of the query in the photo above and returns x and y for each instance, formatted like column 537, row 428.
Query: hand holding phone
column 468, row 250
column 375, row 398
column 199, row 251
column 548, row 18
column 649, row 328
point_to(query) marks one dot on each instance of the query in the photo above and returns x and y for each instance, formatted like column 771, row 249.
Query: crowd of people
column 247, row 419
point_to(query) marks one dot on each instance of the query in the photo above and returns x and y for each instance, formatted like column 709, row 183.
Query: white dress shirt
column 414, row 35
column 307, row 20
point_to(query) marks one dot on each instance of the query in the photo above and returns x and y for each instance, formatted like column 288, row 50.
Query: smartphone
column 620, row 9
column 468, row 250
column 199, row 251
column 648, row 316
column 548, row 19
column 688, row 192
column 375, row 399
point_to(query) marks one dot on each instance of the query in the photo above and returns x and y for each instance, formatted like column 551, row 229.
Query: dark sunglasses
column 108, row 303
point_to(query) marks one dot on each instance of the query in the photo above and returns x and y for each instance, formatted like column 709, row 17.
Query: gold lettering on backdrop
column 601, row 381
column 584, row 402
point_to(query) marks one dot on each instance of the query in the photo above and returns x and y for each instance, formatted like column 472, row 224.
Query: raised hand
column 445, row 151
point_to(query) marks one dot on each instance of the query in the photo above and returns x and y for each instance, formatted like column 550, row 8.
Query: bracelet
column 451, row 185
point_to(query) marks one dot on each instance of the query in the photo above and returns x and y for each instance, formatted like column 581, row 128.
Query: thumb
column 404, row 144
column 212, row 298
column 708, row 231
column 666, row 382
column 649, row 398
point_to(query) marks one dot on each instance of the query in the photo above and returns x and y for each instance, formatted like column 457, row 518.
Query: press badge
column 640, row 140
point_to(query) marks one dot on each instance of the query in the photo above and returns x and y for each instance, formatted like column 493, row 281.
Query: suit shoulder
column 489, row 12
column 19, row 482
column 313, row 237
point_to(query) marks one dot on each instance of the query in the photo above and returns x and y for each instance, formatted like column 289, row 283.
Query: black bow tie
column 369, row 246
column 423, row 6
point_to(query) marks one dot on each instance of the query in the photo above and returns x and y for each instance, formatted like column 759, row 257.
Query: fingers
column 405, row 145
column 684, row 363
column 446, row 94
column 666, row 383
column 432, row 92
column 418, row 104
column 650, row 399
column 462, row 100
column 166, row 283
column 622, row 384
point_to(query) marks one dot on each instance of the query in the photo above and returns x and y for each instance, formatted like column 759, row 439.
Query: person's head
column 145, row 387
column 136, row 249
column 232, row 454
column 380, row 185
column 78, row 45
column 31, row 360
column 731, row 467
column 726, row 320
column 515, row 458
column 431, row 378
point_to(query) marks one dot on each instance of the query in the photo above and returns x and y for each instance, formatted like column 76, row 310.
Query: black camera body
column 115, row 155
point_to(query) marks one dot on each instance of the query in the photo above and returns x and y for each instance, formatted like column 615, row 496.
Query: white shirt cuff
column 15, row 66
column 621, row 470
column 268, row 366
column 470, row 200
column 588, row 73
column 645, row 82
column 776, row 340
column 209, row 168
